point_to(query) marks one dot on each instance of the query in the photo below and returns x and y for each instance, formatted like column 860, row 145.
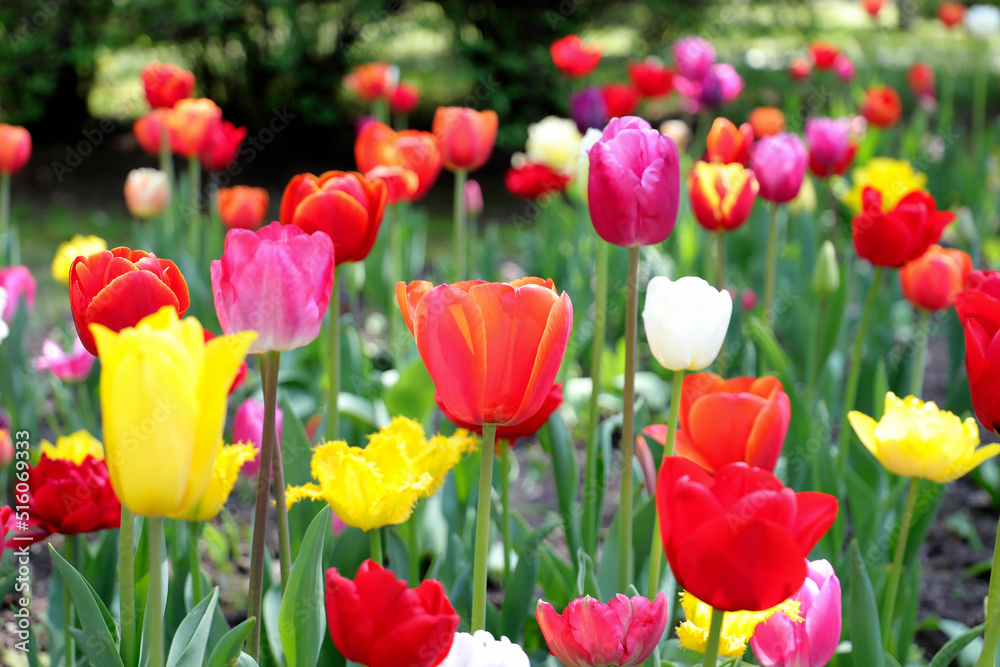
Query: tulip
column 831, row 150
column 376, row 621
column 373, row 81
column 229, row 462
column 784, row 642
column 693, row 56
column 67, row 251
column 722, row 195
column 555, row 143
column 118, row 288
column 738, row 540
column 823, row 54
column 920, row 78
column 482, row 650
column 241, row 374
column 533, row 181
column 932, row 281
column 737, row 626
column 651, row 78
column 286, row 302
column 799, row 69
column 515, row 432
column 634, row 184
column 400, row 183
column 882, row 106
column 404, row 99
column 573, row 57
column 621, row 633
column 951, row 14
column 872, row 6
column 15, row 148
column 729, row 81
column 982, row 21
column 978, row 308
column 894, row 237
column 466, row 136
column 379, row 145
column 166, row 84
column 71, row 366
column 779, row 162
column 147, row 192
column 893, row 178
column 728, row 144
column 6, row 449
column 220, row 145
column 843, row 67
column 826, row 273
column 677, row 130
column 748, row 300
column 473, row 198
column 588, row 109
column 248, row 427
column 20, row 285
column 242, row 207
column 149, row 129
column 4, row 328
column 686, row 321
column 188, row 124
column 766, row 120
column 620, row 99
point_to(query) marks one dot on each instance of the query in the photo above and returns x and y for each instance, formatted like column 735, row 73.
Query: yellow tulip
column 227, row 469
column 163, row 400
column 70, row 250
column 916, row 439
column 893, row 178
column 74, row 447
column 737, row 626
column 379, row 485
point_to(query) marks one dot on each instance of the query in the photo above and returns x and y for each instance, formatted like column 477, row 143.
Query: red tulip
column 823, row 54
column 882, row 106
column 920, row 78
column 893, row 238
column 533, row 181
column 722, row 195
column 148, row 130
column 345, row 205
column 189, row 123
column 373, row 81
column 379, row 145
column 651, row 77
column 69, row 498
column 243, row 207
column 166, row 84
column 799, row 69
column 620, row 99
column 15, row 148
column 512, row 434
column 573, row 57
column 727, row 144
column 466, row 136
column 376, row 621
column 400, row 183
column 951, row 14
column 738, row 540
column 405, row 98
column 978, row 308
column 492, row 349
column 932, row 280
column 872, row 6
column 220, row 145
column 119, row 287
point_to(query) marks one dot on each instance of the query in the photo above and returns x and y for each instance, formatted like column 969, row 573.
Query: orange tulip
column 345, row 205
column 379, row 145
column 727, row 144
column 373, row 81
column 400, row 183
column 467, row 136
column 148, row 130
column 766, row 120
column 243, row 207
column 188, row 123
column 932, row 280
column 15, row 148
column 492, row 349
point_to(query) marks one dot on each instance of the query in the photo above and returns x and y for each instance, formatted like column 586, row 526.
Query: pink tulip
column 473, row 197
column 781, row 642
column 634, row 184
column 829, row 141
column 71, row 366
column 337, row 524
column 779, row 162
column 276, row 281
column 248, row 426
column 730, row 82
column 19, row 283
column 843, row 66
column 693, row 56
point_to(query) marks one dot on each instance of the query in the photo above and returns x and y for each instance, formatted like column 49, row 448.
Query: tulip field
column 709, row 374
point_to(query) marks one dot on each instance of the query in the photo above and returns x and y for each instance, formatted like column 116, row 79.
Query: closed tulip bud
column 147, row 192
column 722, row 195
column 473, row 198
column 932, row 281
column 15, row 148
column 243, row 207
column 872, row 7
column 67, row 251
column 920, row 78
column 554, row 142
column 831, row 149
column 573, row 57
column 693, row 56
column 951, row 14
column 826, row 273
column 677, row 130
column 482, row 650
column 248, row 427
column 166, row 84
column 686, row 321
column 189, row 122
column 779, row 161
column 466, row 136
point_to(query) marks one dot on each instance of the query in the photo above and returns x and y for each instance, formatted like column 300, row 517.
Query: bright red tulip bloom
column 15, row 148
column 722, row 195
column 220, row 145
column 738, row 540
column 166, row 84
column 243, row 207
column 634, row 185
column 978, row 308
column 951, row 14
column 466, row 136
column 893, row 238
column 373, row 81
column 932, row 281
column 492, row 349
column 621, row 633
column 882, row 106
column 400, row 183
column 799, row 69
column 189, row 123
column 920, row 78
column 533, row 181
column 148, row 130
column 728, row 144
column 766, row 121
column 512, row 434
column 872, row 6
column 376, row 621
column 344, row 205
column 117, row 288
column 620, row 99
column 68, row 498
column 405, row 98
column 651, row 77
column 823, row 54
column 779, row 161
column 573, row 57
column 378, row 145
column 276, row 281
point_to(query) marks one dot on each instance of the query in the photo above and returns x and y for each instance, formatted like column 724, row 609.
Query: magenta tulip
column 248, row 427
column 73, row 366
column 781, row 642
column 693, row 56
column 20, row 284
column 829, row 142
column 779, row 161
column 843, row 67
column 276, row 281
column 634, row 185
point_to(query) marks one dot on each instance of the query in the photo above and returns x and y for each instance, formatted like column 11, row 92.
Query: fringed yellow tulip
column 163, row 400
column 74, row 447
column 227, row 469
column 379, row 485
column 893, row 178
column 737, row 626
column 916, row 439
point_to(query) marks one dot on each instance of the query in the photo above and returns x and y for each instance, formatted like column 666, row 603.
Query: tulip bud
column 826, row 274
column 147, row 192
column 15, row 148
column 686, row 321
column 248, row 427
column 473, row 198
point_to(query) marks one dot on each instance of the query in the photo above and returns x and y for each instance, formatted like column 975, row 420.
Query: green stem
column 167, row 167
column 815, row 363
column 979, row 86
column 126, row 586
column 380, row 109
column 772, row 268
column 154, row 613
column 375, row 539
column 4, row 218
column 194, row 561
column 483, row 528
column 920, row 358
column 628, row 425
column 656, row 553
column 843, row 437
column 69, row 647
column 333, row 364
column 269, row 384
column 459, row 213
column 992, row 635
column 505, row 509
column 413, row 537
column 896, row 573
column 396, row 271
column 714, row 634
column 194, row 181
column 591, row 509
column 720, row 260
column 284, row 541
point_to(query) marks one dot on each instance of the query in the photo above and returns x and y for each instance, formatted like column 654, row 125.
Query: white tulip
column 4, row 329
column 554, row 142
column 686, row 321
column 481, row 650
column 982, row 20
column 582, row 175
column 147, row 192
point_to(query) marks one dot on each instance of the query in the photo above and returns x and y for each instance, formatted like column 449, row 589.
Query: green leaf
column 566, row 470
column 296, row 456
column 866, row 636
column 188, row 646
column 518, row 600
column 767, row 342
column 228, row 650
column 413, row 394
column 270, row 612
column 950, row 651
column 301, row 617
column 586, row 580
column 101, row 647
column 246, row 661
column 880, row 386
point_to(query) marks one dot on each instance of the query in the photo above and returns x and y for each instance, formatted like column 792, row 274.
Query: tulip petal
column 816, row 513
column 720, row 425
column 559, row 635
column 767, row 436
column 864, row 426
column 548, row 358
